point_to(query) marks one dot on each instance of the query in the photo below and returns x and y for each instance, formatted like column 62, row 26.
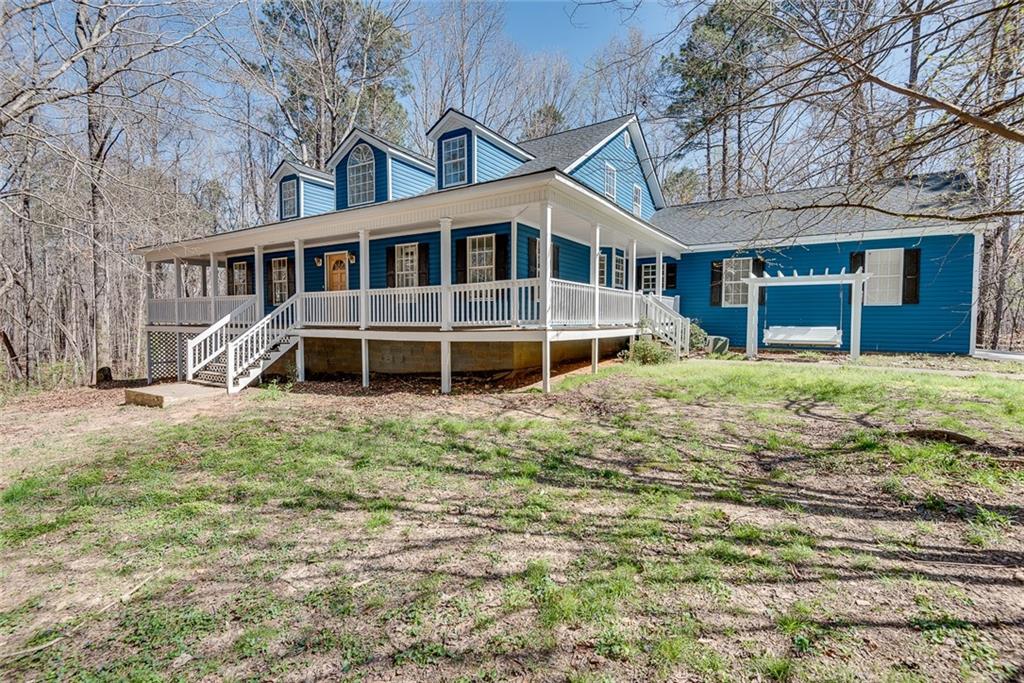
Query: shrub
column 646, row 351
column 698, row 336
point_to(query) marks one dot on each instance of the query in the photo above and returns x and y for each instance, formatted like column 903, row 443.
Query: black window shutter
column 670, row 276
column 423, row 264
column 291, row 277
column 758, row 269
column 556, row 260
column 531, row 257
column 268, row 281
column 716, row 283
column 501, row 257
column 250, row 279
column 911, row 276
column 856, row 263
column 460, row 261
column 389, row 258
column 229, row 272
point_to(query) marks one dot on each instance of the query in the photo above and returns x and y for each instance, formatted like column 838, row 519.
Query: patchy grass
column 694, row 521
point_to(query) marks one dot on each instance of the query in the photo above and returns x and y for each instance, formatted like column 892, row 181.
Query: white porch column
column 856, row 309
column 545, row 363
column 514, row 274
column 300, row 279
column 446, row 280
column 446, row 367
column 631, row 276
column 595, row 271
column 204, row 290
column 258, row 281
column 364, row 300
column 544, row 270
column 213, row 287
column 659, row 274
column 177, row 290
column 365, row 354
column 752, row 292
column 150, row 279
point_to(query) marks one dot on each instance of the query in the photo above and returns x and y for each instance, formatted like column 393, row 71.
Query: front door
column 337, row 272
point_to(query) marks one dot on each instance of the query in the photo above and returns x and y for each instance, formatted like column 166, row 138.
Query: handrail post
column 513, row 271
column 631, row 279
column 446, row 274
column 300, row 279
column 545, row 265
column 595, row 271
column 212, row 273
column 177, row 290
column 364, row 280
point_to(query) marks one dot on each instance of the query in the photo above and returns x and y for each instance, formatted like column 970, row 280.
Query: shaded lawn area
column 697, row 521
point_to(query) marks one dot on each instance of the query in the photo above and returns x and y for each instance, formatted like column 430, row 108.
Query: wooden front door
column 337, row 272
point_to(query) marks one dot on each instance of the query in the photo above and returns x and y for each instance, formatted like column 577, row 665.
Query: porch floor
column 163, row 395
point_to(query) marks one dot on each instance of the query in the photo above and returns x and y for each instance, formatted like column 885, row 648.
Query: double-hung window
column 407, row 258
column 649, row 277
column 453, row 161
column 609, row 181
column 602, row 269
column 278, row 280
column 638, row 200
column 361, row 188
column 480, row 258
column 289, row 199
column 734, row 289
column 240, row 278
column 619, row 273
column 885, row 286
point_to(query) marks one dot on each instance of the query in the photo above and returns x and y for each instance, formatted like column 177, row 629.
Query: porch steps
column 215, row 372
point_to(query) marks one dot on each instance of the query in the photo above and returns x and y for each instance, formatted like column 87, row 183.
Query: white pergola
column 857, row 279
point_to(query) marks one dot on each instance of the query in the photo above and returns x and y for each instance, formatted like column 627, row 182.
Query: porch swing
column 795, row 335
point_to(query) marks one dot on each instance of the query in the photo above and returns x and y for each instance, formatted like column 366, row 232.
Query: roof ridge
column 571, row 130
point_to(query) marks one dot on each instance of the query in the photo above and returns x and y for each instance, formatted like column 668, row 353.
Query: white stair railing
column 666, row 323
column 248, row 348
column 212, row 341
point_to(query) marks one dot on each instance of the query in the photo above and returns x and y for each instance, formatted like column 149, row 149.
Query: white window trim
column 625, row 138
column 275, row 263
column 372, row 164
column 294, row 183
column 638, row 200
column 619, row 272
column 399, row 260
column 649, row 270
column 465, row 160
column 877, row 278
column 243, row 267
column 470, row 243
column 725, row 271
column 602, row 269
column 610, row 188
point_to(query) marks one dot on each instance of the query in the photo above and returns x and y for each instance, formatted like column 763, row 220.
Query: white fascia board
column 635, row 133
column 454, row 119
column 859, row 236
column 287, row 166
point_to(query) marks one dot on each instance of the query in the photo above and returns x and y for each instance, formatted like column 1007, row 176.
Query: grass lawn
column 696, row 521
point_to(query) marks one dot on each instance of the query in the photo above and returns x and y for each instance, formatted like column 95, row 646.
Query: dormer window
column 453, row 161
column 289, row 199
column 361, row 185
column 609, row 181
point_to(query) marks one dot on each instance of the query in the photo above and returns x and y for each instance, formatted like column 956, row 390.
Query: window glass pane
column 620, row 271
column 885, row 286
column 288, row 204
column 279, row 280
column 361, row 188
column 637, row 200
column 648, row 277
column 240, row 281
column 734, row 290
column 406, row 265
column 609, row 181
column 453, row 160
column 481, row 258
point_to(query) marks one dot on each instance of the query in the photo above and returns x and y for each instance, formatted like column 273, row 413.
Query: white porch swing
column 823, row 336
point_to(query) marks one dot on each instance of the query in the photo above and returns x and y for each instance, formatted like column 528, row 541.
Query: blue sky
column 550, row 26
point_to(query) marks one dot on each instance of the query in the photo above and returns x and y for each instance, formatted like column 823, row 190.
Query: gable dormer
column 467, row 152
column 369, row 170
column 301, row 191
column 619, row 167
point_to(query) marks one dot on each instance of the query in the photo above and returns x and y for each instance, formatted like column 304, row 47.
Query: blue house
column 490, row 254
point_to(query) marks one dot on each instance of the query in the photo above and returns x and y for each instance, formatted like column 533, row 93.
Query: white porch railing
column 331, row 308
column 572, row 303
column 212, row 341
column 194, row 310
column 406, row 306
column 615, row 306
column 507, row 302
column 163, row 311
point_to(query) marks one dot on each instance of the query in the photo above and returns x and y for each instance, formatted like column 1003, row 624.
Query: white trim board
column 861, row 236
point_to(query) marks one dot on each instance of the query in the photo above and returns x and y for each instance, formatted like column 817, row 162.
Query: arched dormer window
column 361, row 186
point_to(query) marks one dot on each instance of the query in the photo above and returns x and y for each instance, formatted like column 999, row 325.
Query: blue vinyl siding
column 492, row 162
column 408, row 180
column 469, row 156
column 940, row 323
column 315, row 276
column 317, row 198
column 628, row 173
column 378, row 257
column 573, row 257
column 380, row 177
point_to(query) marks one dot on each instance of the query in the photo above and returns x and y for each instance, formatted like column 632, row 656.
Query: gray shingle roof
column 561, row 149
column 782, row 216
